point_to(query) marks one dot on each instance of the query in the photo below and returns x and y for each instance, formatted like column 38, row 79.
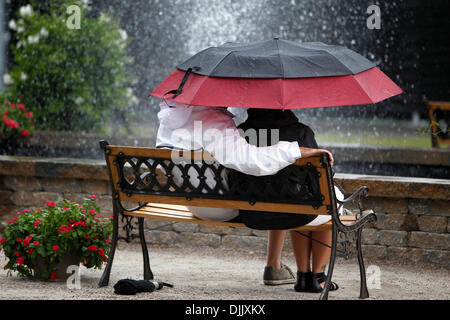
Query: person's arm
column 232, row 151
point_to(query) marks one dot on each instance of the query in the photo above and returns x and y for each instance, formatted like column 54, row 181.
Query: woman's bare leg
column 302, row 250
column 274, row 247
column 320, row 253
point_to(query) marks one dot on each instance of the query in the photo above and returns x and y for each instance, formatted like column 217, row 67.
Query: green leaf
column 41, row 251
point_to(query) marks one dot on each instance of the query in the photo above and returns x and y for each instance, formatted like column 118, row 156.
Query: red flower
column 21, row 106
column 29, row 114
column 18, row 240
column 104, row 259
column 24, row 133
column 92, row 248
column 93, row 197
column 100, row 252
column 26, row 211
column 11, row 123
column 62, row 229
column 36, row 243
column 20, row 261
column 55, row 247
column 86, row 236
column 30, row 251
column 2, row 240
column 17, row 253
column 53, row 276
column 51, row 204
column 37, row 222
column 92, row 211
column 12, row 105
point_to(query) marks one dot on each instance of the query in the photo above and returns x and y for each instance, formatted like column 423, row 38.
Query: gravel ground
column 204, row 273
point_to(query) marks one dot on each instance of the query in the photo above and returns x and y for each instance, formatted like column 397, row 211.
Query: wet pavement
column 204, row 273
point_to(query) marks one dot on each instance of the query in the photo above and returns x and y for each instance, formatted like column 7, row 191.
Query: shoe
column 302, row 281
column 314, row 281
column 274, row 277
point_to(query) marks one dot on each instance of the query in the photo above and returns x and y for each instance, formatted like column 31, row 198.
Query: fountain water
column 165, row 33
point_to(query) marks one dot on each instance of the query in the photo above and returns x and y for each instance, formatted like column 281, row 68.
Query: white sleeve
column 232, row 151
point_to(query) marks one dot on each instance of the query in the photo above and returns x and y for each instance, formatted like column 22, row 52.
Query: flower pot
column 59, row 268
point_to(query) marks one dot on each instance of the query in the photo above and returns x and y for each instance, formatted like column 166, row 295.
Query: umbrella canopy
column 276, row 59
column 277, row 74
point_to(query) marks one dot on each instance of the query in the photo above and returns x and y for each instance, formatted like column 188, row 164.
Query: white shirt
column 212, row 129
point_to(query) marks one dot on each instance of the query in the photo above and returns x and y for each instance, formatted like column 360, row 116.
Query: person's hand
column 309, row 152
column 329, row 154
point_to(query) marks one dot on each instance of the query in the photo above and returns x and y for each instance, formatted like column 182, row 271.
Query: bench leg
column 148, row 274
column 364, row 293
column 324, row 294
column 104, row 280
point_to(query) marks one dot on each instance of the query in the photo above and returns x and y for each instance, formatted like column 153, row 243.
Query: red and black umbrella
column 276, row 74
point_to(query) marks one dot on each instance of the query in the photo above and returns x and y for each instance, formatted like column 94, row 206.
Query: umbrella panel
column 367, row 87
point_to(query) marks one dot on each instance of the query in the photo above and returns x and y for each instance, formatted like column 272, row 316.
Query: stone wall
column 29, row 183
column 413, row 219
column 413, row 213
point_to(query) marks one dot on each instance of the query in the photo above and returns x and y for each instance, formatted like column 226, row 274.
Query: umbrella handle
column 183, row 81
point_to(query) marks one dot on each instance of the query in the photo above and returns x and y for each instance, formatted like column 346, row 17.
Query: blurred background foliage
column 73, row 79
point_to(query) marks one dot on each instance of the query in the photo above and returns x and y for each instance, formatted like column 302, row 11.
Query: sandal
column 302, row 280
column 315, row 279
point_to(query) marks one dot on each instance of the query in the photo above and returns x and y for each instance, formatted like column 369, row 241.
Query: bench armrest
column 363, row 217
column 362, row 191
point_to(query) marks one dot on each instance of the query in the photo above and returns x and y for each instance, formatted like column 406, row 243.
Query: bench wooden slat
column 169, row 206
column 161, row 207
column 175, row 213
column 232, row 204
column 182, row 214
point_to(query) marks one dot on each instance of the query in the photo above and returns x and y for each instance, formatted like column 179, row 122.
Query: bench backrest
column 148, row 175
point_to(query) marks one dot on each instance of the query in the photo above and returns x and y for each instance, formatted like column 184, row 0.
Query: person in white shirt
column 212, row 129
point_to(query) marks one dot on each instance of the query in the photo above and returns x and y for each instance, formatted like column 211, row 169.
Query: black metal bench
column 147, row 176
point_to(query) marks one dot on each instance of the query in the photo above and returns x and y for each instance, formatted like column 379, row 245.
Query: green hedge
column 73, row 79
